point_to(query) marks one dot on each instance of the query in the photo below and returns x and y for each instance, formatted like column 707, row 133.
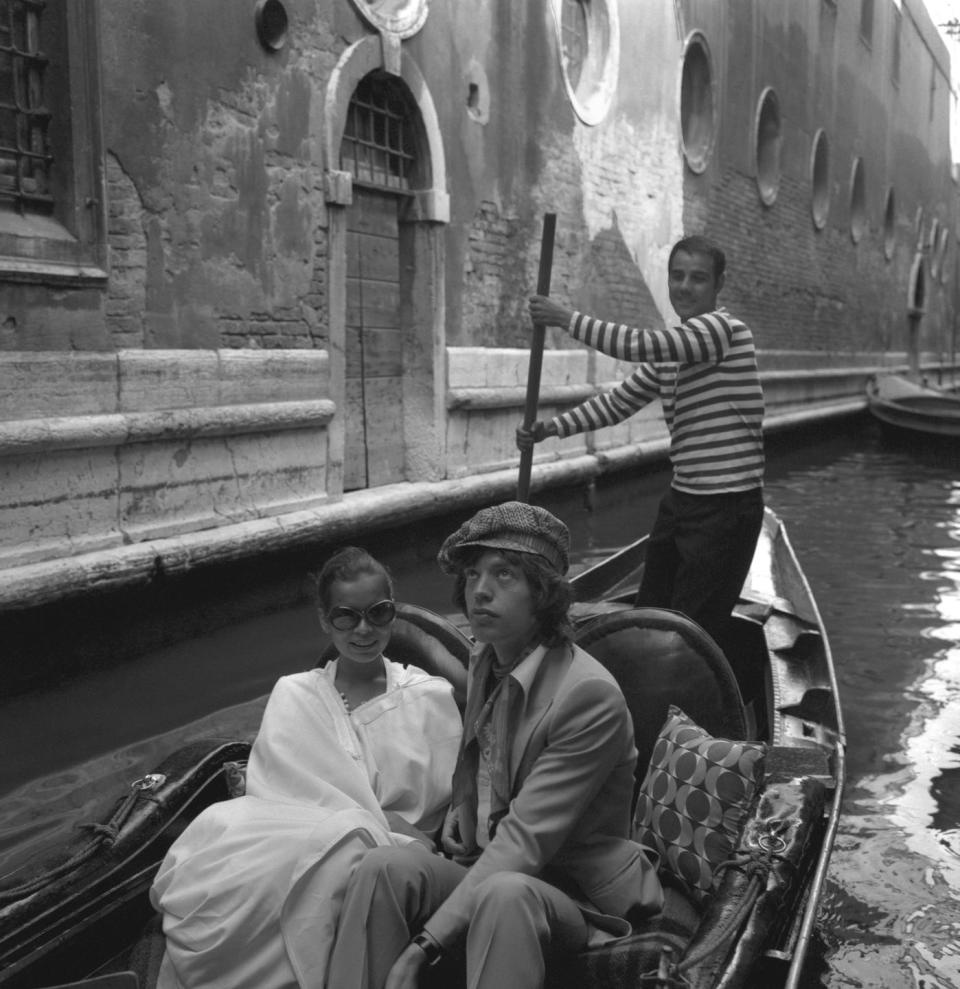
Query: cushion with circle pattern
column 694, row 799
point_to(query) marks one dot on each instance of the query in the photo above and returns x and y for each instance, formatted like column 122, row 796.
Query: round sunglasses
column 344, row 619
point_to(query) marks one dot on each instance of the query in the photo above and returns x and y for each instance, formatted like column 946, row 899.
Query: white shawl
column 250, row 892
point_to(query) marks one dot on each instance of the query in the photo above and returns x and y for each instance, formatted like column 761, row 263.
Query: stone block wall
column 100, row 450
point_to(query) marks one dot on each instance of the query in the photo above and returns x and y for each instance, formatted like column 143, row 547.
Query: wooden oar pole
column 536, row 353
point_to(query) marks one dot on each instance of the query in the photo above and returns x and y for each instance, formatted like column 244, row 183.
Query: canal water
column 877, row 530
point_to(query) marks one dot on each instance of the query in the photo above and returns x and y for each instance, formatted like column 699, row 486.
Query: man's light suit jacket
column 571, row 767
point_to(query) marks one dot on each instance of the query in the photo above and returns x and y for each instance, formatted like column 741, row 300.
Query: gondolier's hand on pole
column 537, row 433
column 547, row 312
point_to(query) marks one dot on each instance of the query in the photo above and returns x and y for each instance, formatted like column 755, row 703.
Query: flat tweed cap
column 513, row 525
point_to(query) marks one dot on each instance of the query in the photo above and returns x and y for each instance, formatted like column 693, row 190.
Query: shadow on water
column 876, row 526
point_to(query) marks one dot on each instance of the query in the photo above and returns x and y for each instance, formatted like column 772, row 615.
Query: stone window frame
column 943, row 250
column 698, row 109
column 890, row 224
column 401, row 18
column 820, row 179
column 768, row 147
column 69, row 246
column 859, row 220
column 591, row 93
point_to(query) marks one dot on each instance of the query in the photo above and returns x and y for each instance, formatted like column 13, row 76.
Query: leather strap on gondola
column 105, row 834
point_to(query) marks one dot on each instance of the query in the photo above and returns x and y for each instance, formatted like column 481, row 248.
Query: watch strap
column 429, row 946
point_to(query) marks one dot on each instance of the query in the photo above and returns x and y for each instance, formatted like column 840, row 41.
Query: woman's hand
column 546, row 311
column 400, row 826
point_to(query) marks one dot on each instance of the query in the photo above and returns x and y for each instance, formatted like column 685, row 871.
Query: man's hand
column 545, row 311
column 537, row 433
column 405, row 973
column 450, row 839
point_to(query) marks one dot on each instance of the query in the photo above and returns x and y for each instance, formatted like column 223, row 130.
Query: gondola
column 84, row 913
column 909, row 409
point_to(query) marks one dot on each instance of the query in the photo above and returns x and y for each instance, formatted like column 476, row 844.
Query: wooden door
column 374, row 452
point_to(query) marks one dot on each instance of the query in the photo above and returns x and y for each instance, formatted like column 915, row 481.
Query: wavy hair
column 552, row 593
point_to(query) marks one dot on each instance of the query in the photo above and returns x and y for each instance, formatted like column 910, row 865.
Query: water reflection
column 878, row 531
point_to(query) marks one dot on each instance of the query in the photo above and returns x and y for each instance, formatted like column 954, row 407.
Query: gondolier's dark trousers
column 699, row 554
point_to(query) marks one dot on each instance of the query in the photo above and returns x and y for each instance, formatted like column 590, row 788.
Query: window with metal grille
column 25, row 158
column 378, row 147
column 575, row 30
column 52, row 214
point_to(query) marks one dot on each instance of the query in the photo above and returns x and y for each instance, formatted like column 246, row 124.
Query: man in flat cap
column 541, row 862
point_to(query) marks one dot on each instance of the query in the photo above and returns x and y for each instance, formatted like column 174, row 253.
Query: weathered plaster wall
column 217, row 140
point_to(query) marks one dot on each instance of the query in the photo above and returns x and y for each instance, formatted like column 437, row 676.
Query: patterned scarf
column 486, row 725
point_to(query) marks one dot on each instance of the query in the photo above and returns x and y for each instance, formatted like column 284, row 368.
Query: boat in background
column 84, row 913
column 909, row 407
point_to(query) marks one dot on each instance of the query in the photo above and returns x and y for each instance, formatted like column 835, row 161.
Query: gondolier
column 705, row 373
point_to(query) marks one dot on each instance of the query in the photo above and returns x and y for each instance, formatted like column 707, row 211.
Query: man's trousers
column 518, row 922
column 699, row 553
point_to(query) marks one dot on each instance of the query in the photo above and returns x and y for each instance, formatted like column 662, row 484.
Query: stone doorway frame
column 422, row 295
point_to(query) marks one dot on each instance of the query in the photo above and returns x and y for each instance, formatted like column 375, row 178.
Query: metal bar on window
column 25, row 159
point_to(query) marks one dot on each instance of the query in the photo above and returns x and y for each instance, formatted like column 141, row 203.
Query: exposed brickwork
column 799, row 287
column 127, row 247
column 492, row 283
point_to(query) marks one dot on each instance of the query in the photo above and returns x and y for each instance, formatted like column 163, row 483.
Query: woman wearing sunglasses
column 354, row 754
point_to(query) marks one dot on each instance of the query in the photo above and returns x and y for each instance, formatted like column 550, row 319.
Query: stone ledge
column 80, row 432
column 362, row 511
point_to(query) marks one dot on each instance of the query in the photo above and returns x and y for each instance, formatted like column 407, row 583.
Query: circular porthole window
column 588, row 35
column 889, row 225
column 820, row 179
column 858, row 201
column 270, row 19
column 697, row 108
column 769, row 141
column 400, row 17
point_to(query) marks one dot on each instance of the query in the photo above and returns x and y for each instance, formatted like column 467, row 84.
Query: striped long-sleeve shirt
column 705, row 372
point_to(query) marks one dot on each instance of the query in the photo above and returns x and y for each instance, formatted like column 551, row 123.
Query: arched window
column 378, row 142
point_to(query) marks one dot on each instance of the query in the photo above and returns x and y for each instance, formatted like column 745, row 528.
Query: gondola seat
column 660, row 658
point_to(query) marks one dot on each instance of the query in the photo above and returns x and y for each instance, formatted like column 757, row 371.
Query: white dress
column 250, row 892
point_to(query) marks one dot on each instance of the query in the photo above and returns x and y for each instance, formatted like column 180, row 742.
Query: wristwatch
column 429, row 946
